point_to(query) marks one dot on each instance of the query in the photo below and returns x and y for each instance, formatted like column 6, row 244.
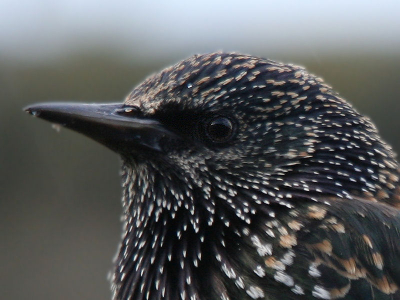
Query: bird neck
column 180, row 241
column 162, row 240
column 176, row 239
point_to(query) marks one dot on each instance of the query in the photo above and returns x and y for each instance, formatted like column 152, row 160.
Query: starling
column 244, row 178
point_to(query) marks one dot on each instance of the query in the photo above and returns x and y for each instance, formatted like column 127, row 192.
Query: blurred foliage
column 60, row 192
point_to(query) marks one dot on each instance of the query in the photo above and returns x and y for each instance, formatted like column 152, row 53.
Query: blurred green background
column 60, row 192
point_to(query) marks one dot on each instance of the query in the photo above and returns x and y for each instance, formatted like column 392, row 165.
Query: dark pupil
column 220, row 129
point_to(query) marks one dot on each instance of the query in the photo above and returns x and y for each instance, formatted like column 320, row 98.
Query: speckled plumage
column 299, row 200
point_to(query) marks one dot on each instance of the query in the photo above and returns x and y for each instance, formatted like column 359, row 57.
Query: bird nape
column 244, row 178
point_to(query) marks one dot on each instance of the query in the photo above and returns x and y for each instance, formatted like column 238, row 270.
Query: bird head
column 236, row 117
column 220, row 143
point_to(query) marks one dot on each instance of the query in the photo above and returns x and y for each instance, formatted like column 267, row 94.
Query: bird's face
column 248, row 120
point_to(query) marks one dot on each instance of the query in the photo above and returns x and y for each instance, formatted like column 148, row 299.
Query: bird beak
column 114, row 125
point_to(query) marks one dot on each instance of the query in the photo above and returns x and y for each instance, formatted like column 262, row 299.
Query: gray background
column 60, row 192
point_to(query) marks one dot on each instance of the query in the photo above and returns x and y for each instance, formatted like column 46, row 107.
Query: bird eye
column 219, row 129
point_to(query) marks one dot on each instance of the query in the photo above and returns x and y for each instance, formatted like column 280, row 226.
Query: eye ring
column 219, row 129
